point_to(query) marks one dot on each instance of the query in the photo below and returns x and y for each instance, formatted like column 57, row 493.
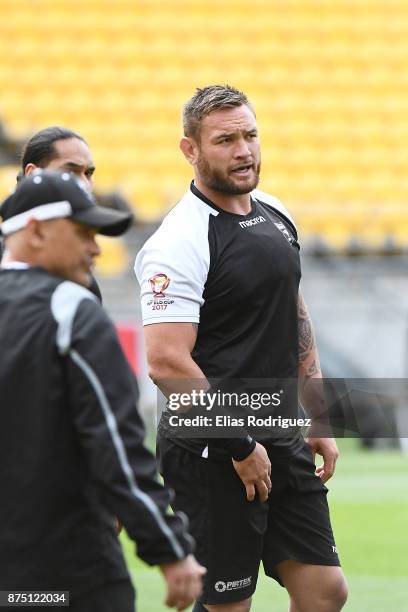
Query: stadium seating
column 328, row 80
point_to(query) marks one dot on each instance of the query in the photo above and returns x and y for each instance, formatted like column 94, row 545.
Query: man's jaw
column 88, row 271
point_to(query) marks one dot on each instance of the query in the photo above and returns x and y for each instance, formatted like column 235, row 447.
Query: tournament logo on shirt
column 159, row 283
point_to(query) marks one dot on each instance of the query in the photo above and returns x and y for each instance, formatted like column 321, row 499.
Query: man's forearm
column 311, row 393
column 171, row 366
column 174, row 371
column 239, row 447
column 309, row 363
column 312, row 396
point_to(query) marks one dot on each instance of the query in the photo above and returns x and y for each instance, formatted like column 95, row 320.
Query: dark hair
column 208, row 99
column 40, row 150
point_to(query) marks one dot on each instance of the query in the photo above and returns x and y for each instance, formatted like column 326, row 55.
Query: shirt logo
column 159, row 283
column 253, row 221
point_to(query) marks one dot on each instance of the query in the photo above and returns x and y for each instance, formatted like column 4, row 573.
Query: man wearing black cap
column 71, row 438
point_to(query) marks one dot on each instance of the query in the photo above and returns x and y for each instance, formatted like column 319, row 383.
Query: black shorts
column 233, row 535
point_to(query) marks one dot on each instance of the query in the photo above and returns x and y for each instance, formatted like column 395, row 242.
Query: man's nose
column 95, row 248
column 242, row 148
column 87, row 182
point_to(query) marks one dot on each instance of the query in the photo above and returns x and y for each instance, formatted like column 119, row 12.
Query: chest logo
column 159, row 283
column 252, row 222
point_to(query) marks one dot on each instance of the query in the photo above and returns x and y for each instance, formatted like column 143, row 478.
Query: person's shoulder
column 180, row 243
column 187, row 218
column 66, row 300
column 274, row 202
column 67, row 296
column 29, row 281
column 185, row 224
column 191, row 206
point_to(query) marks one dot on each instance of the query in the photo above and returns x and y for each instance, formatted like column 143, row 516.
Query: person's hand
column 327, row 448
column 255, row 473
column 184, row 582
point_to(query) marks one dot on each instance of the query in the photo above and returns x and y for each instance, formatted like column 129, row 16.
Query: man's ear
column 30, row 168
column 190, row 149
column 35, row 234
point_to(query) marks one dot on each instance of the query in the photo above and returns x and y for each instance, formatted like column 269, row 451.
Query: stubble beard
column 220, row 183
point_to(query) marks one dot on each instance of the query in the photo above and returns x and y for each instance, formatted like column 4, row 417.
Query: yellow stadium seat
column 328, row 80
column 114, row 258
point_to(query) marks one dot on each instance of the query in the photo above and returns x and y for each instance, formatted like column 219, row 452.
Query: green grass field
column 369, row 507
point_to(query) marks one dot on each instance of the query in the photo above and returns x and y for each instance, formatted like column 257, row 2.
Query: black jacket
column 93, row 288
column 71, row 444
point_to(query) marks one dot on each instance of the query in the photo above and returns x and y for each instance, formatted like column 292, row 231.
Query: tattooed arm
column 309, row 364
column 311, row 394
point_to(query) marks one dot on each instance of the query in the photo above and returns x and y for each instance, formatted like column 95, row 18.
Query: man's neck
column 237, row 204
column 15, row 260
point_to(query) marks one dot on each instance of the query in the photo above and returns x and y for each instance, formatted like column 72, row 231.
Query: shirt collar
column 15, row 265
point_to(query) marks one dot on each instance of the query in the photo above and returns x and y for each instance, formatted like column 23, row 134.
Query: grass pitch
column 369, row 508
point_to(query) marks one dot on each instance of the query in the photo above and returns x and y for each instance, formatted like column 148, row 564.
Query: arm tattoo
column 311, row 391
column 309, row 365
column 313, row 369
column 306, row 336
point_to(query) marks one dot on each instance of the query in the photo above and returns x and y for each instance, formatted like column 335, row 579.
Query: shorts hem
column 232, row 597
column 315, row 561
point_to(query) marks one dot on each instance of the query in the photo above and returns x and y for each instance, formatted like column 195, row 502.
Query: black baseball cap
column 48, row 194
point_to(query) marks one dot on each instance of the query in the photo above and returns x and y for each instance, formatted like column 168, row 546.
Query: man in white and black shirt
column 220, row 300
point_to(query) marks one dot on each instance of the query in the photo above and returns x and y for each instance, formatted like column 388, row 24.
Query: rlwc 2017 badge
column 159, row 283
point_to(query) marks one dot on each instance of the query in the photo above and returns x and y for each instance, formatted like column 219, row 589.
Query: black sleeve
column 103, row 400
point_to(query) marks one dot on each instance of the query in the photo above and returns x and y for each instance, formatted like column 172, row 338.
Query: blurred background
column 329, row 82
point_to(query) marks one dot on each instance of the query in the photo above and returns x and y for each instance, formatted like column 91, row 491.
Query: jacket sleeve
column 103, row 400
